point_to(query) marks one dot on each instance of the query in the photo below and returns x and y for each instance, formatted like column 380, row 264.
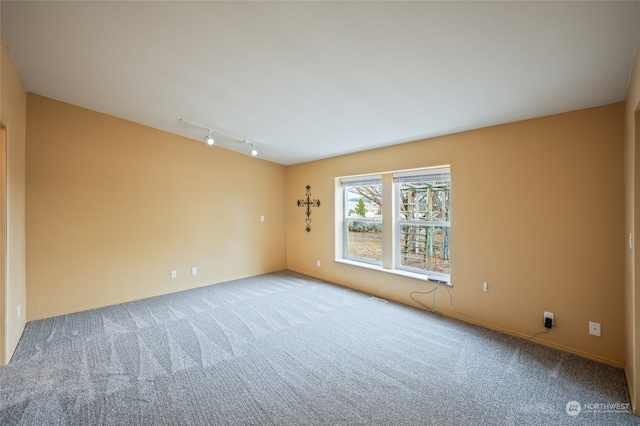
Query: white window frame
column 351, row 182
column 434, row 175
column 390, row 222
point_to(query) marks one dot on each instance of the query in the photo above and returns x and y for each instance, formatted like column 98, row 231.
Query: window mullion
column 423, row 222
column 345, row 229
column 388, row 222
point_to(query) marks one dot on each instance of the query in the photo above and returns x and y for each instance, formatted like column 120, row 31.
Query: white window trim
column 397, row 272
column 390, row 245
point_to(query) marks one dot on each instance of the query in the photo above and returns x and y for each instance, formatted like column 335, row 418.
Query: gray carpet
column 286, row 349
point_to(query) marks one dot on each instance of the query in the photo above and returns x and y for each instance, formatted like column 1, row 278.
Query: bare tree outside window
column 364, row 222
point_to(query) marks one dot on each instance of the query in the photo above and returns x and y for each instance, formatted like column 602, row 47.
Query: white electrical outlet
column 318, row 263
column 485, row 287
column 194, row 271
column 261, row 218
column 18, row 311
column 594, row 328
column 174, row 274
column 548, row 315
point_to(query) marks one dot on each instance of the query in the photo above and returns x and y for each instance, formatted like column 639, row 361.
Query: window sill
column 397, row 272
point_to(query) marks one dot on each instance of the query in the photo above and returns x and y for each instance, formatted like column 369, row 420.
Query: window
column 363, row 219
column 422, row 221
column 416, row 220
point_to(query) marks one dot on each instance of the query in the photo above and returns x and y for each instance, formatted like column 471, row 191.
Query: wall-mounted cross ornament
column 308, row 203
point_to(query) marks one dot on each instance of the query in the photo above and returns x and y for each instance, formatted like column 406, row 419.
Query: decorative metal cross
column 308, row 203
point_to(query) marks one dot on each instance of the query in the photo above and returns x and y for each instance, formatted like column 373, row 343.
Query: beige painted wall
column 13, row 290
column 632, row 222
column 537, row 212
column 113, row 207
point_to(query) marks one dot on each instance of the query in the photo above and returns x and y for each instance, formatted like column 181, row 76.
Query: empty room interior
column 520, row 120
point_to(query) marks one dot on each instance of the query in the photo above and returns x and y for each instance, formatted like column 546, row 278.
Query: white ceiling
column 310, row 80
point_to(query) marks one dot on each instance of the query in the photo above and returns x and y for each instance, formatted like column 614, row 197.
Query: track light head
column 209, row 139
column 254, row 151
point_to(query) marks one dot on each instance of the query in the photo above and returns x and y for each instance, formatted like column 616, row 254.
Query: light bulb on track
column 209, row 139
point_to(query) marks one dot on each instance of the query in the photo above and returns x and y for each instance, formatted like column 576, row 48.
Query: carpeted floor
column 286, row 349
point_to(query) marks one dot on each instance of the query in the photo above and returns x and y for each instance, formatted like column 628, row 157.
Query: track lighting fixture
column 254, row 151
column 209, row 139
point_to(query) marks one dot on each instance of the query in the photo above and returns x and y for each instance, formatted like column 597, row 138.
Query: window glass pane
column 424, row 247
column 364, row 201
column 364, row 239
column 424, row 200
column 363, row 219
